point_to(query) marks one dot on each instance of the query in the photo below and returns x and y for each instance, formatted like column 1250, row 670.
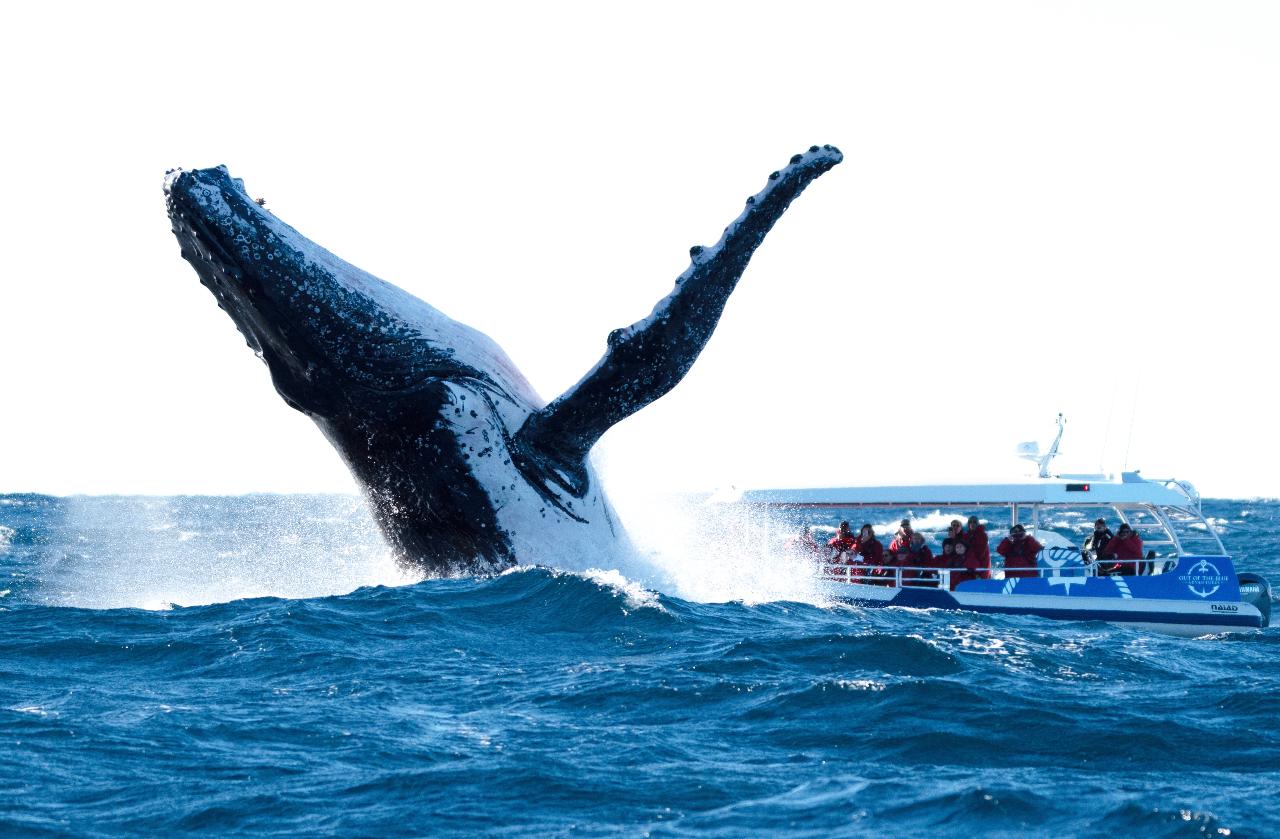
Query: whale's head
column 331, row 334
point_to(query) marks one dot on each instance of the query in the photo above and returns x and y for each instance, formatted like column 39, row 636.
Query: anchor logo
column 1055, row 559
column 1203, row 578
column 1066, row 582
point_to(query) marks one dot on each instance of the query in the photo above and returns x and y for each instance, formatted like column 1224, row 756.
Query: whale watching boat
column 1185, row 582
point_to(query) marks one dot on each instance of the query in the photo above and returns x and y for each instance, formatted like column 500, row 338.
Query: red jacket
column 843, row 544
column 962, row 571
column 979, row 554
column 1129, row 548
column 914, row 559
column 920, row 557
column 1019, row 556
column 872, row 552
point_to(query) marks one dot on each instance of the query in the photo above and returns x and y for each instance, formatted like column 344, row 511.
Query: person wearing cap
column 901, row 542
column 978, row 556
column 1019, row 551
column 840, row 552
column 1098, row 539
column 842, row 545
column 1125, row 549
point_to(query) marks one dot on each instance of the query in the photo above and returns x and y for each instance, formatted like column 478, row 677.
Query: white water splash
column 635, row 595
column 715, row 553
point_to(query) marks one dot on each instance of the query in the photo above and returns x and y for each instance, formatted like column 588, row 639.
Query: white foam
column 6, row 537
column 636, row 595
column 934, row 523
column 1218, row 526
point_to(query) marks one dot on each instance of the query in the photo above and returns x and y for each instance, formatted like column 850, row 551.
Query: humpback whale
column 465, row 468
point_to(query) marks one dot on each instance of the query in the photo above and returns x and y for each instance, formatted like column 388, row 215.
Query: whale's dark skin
column 465, row 468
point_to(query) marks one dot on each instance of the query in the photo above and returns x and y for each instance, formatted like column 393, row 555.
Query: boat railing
column 920, row 576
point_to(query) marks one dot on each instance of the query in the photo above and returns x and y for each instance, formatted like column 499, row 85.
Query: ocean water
column 258, row 666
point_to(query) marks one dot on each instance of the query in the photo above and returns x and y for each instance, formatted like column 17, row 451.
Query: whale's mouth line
column 241, row 294
column 218, row 269
column 267, row 327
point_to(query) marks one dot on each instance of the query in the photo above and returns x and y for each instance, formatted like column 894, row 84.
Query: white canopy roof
column 1066, row 490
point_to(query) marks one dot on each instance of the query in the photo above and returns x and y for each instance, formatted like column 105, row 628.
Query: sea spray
column 154, row 553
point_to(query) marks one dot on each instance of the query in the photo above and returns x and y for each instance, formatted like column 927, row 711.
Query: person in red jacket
column 946, row 559
column 870, row 551
column 841, row 551
column 978, row 556
column 901, row 542
column 843, row 544
column 1019, row 551
column 1125, row 547
column 960, row 565
column 916, row 556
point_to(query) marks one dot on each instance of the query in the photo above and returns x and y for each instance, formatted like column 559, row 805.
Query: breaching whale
column 465, row 468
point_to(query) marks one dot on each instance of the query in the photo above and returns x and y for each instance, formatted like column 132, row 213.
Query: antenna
column 1133, row 415
column 1031, row 451
column 1053, row 450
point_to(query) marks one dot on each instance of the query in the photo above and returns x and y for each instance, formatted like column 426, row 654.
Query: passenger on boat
column 869, row 547
column 960, row 565
column 917, row 556
column 978, row 557
column 1098, row 539
column 871, row 552
column 804, row 544
column 902, row 539
column 843, row 545
column 1125, row 549
column 1019, row 551
column 956, row 531
column 946, row 559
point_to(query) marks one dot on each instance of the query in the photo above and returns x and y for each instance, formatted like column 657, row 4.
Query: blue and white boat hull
column 1201, row 595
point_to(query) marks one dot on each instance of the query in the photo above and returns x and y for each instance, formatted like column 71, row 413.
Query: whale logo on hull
column 465, row 468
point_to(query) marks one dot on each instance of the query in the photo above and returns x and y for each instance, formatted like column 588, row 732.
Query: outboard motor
column 1256, row 591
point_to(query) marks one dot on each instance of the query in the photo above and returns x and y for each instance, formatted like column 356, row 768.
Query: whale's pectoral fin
column 647, row 359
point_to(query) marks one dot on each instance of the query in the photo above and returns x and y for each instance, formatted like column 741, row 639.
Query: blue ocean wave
column 554, row 703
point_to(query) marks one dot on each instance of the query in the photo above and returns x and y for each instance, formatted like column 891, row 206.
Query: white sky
column 1043, row 207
